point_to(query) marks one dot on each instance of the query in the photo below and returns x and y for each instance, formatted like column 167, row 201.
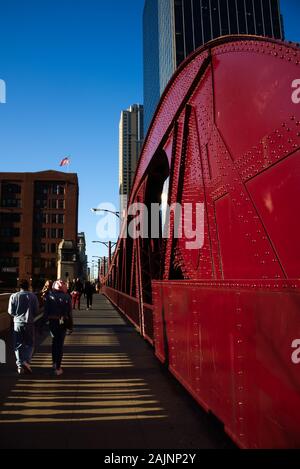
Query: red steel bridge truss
column 224, row 317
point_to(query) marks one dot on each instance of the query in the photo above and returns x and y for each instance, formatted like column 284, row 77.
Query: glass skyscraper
column 151, row 59
column 175, row 28
column 131, row 135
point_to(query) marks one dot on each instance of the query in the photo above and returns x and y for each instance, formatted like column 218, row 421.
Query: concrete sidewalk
column 114, row 394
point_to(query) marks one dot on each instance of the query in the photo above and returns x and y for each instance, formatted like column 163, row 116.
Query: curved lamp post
column 105, row 210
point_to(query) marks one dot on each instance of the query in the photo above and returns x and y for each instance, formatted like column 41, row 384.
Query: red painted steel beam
column 228, row 130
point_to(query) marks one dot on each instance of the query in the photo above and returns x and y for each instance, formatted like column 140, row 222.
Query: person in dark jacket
column 23, row 307
column 58, row 310
column 89, row 290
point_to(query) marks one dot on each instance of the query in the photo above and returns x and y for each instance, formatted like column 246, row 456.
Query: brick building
column 37, row 211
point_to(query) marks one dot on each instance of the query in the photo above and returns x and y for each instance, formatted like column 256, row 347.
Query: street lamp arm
column 105, row 210
column 101, row 242
column 106, row 243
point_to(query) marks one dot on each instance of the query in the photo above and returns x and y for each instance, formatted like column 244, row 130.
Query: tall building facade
column 81, row 246
column 37, row 211
column 131, row 137
column 172, row 29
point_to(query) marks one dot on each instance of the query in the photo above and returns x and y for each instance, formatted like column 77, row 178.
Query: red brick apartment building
column 37, row 211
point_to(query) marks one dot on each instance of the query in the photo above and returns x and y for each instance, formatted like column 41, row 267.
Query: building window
column 275, row 19
column 48, row 263
column 215, row 18
column 57, row 204
column 267, row 18
column 61, row 219
column 41, row 203
column 179, row 31
column 68, row 257
column 11, row 188
column 11, row 203
column 188, row 27
column 250, row 17
column 9, row 265
column 224, row 17
column 233, row 17
column 241, row 13
column 10, row 194
column 9, row 247
column 10, row 218
column 58, row 189
column 197, row 23
column 61, row 204
column 258, row 17
column 36, row 262
column 57, row 218
column 9, row 232
column 206, row 20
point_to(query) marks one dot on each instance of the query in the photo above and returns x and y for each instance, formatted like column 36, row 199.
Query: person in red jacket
column 76, row 293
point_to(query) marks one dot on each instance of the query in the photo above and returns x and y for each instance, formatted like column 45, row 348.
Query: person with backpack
column 58, row 311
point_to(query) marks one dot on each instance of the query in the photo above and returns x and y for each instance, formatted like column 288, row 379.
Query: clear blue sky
column 70, row 67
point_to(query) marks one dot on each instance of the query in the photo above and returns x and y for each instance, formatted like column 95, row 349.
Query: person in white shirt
column 23, row 307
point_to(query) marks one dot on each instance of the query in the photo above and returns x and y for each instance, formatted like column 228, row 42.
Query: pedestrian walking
column 89, row 290
column 76, row 293
column 58, row 310
column 23, row 306
column 69, row 285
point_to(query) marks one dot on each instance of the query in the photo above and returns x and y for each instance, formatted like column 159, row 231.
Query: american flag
column 65, row 161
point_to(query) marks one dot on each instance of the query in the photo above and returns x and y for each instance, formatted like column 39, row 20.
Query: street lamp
column 102, row 268
column 109, row 245
column 105, row 210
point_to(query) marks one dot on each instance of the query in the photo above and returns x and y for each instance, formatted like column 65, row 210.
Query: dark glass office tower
column 151, row 58
column 175, row 28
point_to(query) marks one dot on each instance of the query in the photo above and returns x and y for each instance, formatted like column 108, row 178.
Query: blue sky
column 70, row 67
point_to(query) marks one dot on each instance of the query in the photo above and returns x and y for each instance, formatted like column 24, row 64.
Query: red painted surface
column 229, row 343
column 223, row 317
